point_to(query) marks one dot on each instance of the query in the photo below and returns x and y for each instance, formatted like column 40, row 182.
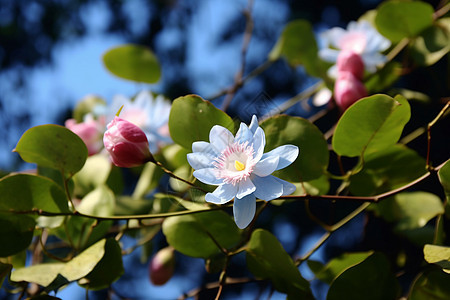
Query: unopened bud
column 349, row 61
column 348, row 89
column 162, row 266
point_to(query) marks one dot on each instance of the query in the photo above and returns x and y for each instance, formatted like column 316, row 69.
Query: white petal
column 220, row 138
column 329, row 55
column 288, row 188
column 208, row 176
column 222, row 194
column 266, row 166
column 253, row 124
column 200, row 160
column 245, row 188
column 267, row 188
column 259, row 142
column 244, row 210
column 244, row 134
column 287, row 153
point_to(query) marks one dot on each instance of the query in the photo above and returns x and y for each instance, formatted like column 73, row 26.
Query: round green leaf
column 398, row 19
column 191, row 118
column 313, row 157
column 191, row 234
column 94, row 173
column 266, row 258
column 438, row 255
column 444, row 178
column 371, row 124
column 16, row 232
column 25, row 192
column 100, row 202
column 432, row 44
column 431, row 285
column 133, row 62
column 53, row 146
column 297, row 44
column 370, row 279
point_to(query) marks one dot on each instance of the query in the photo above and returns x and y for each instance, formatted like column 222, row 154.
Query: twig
column 239, row 75
column 441, row 113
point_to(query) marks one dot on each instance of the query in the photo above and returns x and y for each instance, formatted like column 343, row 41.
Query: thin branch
column 431, row 124
column 247, row 37
column 441, row 12
column 319, row 243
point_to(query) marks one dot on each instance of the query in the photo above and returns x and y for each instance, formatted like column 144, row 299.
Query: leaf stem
column 431, row 124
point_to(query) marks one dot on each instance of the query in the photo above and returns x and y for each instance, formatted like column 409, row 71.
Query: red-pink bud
column 348, row 89
column 126, row 143
column 162, row 266
column 349, row 61
column 89, row 131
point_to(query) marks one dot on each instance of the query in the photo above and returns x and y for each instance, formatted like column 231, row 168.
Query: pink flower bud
column 89, row 131
column 349, row 61
column 162, row 266
column 126, row 143
column 348, row 89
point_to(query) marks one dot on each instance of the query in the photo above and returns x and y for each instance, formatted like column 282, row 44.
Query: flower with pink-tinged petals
column 349, row 61
column 241, row 169
column 126, row 143
column 348, row 89
column 162, row 266
column 361, row 38
column 90, row 131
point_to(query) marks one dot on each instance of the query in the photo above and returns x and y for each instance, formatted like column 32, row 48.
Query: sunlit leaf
column 42, row 274
column 94, row 173
column 16, row 232
column 370, row 279
column 191, row 119
column 266, row 258
column 148, row 180
column 100, row 202
column 133, row 62
column 298, row 46
column 398, row 19
column 313, row 157
column 338, row 265
column 53, row 146
column 432, row 284
column 432, row 44
column 371, row 124
column 192, row 234
column 438, row 255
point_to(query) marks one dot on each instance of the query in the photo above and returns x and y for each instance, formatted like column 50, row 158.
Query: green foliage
column 313, row 158
column 432, row 284
column 438, row 255
column 191, row 118
column 266, row 258
column 211, row 230
column 444, row 178
column 398, row 19
column 87, row 105
column 133, row 62
column 54, row 147
column 370, row 279
column 371, row 124
column 16, row 232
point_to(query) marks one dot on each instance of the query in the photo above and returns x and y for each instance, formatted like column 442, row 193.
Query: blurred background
column 50, row 58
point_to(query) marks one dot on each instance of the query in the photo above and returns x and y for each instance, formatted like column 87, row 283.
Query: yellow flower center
column 238, row 165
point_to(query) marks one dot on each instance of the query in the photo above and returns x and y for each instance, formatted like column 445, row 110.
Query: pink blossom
column 348, row 89
column 126, row 143
column 90, row 131
column 350, row 61
column 162, row 266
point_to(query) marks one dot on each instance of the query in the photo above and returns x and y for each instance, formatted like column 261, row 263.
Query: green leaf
column 100, row 202
column 398, row 19
column 370, row 279
column 431, row 285
column 107, row 270
column 313, row 157
column 16, row 232
column 444, row 178
column 266, row 258
column 42, row 274
column 371, row 124
column 191, row 118
column 338, row 265
column 53, row 146
column 133, row 62
column 432, row 44
column 438, row 255
column 148, row 180
column 25, row 192
column 386, row 170
column 384, row 78
column 410, row 210
column 297, row 44
column 94, row 173
column 192, row 234
column 5, row 269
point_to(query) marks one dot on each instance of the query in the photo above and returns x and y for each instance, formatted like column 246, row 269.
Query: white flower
column 360, row 38
column 148, row 113
column 241, row 169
